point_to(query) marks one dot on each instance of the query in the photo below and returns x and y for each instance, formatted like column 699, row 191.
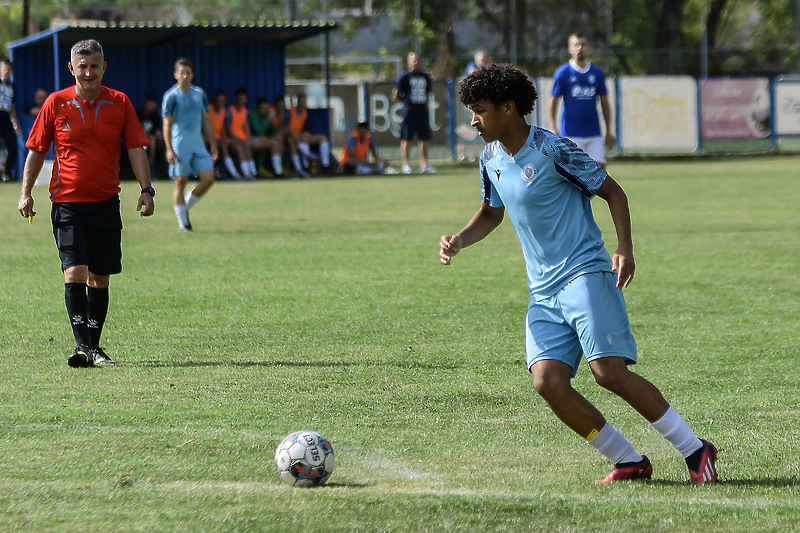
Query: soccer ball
column 304, row 459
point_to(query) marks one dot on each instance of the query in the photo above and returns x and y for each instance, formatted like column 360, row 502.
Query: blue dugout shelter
column 141, row 58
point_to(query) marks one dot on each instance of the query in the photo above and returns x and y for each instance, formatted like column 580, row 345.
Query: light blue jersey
column 187, row 109
column 546, row 189
column 580, row 88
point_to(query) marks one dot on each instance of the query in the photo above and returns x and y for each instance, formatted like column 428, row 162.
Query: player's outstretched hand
column 623, row 264
column 146, row 201
column 449, row 246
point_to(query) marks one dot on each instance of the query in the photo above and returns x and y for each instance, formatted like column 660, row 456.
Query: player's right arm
column 552, row 110
column 33, row 165
column 482, row 224
column 167, row 130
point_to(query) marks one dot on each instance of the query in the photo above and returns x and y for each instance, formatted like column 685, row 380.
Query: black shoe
column 80, row 358
column 100, row 357
column 188, row 227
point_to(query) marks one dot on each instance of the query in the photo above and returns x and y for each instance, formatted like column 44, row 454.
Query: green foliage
column 321, row 304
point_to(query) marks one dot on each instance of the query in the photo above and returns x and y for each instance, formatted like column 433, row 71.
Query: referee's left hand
column 146, row 201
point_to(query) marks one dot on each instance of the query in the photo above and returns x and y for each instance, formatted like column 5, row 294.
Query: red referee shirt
column 86, row 139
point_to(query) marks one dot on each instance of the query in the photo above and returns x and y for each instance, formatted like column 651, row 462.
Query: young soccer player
column 576, row 303
column 187, row 128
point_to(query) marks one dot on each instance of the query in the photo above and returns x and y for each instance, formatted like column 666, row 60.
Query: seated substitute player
column 220, row 120
column 576, row 302
column 298, row 122
column 356, row 154
column 287, row 134
column 241, row 140
column 266, row 138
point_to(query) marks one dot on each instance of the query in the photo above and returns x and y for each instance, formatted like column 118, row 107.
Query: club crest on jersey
column 528, row 172
column 591, row 78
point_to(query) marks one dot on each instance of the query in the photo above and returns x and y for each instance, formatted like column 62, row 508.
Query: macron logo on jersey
column 498, row 174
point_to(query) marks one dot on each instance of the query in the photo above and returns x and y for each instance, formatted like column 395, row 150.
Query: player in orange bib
column 298, row 118
column 218, row 113
column 357, row 150
column 241, row 140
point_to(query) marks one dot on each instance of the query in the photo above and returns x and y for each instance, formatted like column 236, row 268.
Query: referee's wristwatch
column 149, row 190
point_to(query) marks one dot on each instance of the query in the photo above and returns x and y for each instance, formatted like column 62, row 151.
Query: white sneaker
column 427, row 169
column 406, row 169
column 391, row 170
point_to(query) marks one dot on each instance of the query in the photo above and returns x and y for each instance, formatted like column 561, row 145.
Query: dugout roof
column 141, row 56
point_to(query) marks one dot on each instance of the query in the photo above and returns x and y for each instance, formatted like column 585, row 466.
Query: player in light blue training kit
column 187, row 129
column 576, row 309
column 581, row 84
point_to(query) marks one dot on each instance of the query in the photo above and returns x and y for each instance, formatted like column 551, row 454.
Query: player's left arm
column 208, row 133
column 622, row 260
column 141, row 169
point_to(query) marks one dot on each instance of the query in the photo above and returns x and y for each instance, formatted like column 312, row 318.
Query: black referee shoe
column 80, row 358
column 100, row 358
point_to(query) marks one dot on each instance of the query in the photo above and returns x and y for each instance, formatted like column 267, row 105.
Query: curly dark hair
column 499, row 83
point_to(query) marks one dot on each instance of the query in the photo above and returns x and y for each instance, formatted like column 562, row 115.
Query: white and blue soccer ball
column 304, row 459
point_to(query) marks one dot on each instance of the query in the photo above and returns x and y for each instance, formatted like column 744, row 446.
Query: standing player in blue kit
column 581, row 83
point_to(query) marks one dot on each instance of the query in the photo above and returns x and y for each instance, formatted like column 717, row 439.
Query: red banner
column 735, row 108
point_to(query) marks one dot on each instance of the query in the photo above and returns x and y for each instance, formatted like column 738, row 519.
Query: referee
column 86, row 124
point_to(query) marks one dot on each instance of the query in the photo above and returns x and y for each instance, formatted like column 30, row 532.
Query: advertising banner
column 735, row 109
column 787, row 107
column 658, row 114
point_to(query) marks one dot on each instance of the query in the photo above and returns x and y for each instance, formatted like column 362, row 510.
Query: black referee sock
column 98, row 309
column 77, row 307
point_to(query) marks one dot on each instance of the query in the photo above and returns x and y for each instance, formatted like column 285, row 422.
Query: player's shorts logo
column 528, row 172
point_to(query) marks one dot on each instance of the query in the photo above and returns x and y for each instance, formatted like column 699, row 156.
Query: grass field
column 321, row 304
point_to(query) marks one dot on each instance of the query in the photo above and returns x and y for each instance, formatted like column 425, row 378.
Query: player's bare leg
column 206, row 182
column 405, row 150
column 612, row 374
column 551, row 380
column 179, row 204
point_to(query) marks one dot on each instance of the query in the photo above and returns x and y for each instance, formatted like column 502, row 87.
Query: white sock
column 673, row 428
column 231, row 168
column 180, row 212
column 277, row 164
column 304, row 149
column 610, row 443
column 190, row 200
column 325, row 153
column 251, row 167
column 296, row 162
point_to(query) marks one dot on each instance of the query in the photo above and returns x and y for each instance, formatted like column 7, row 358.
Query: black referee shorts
column 89, row 234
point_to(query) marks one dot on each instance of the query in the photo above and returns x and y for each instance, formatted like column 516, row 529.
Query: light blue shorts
column 587, row 317
column 191, row 163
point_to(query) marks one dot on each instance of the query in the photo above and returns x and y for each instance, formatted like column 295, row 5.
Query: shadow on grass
column 775, row 483
column 350, row 485
column 314, row 364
